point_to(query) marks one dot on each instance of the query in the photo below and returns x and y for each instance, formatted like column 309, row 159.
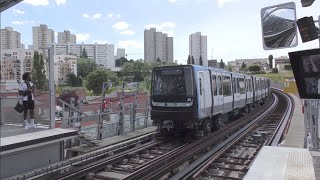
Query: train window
column 172, row 82
column 214, row 85
column 234, row 88
column 220, row 85
column 242, row 86
column 238, row 86
column 226, row 86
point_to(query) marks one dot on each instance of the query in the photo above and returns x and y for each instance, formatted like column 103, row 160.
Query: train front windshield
column 172, row 82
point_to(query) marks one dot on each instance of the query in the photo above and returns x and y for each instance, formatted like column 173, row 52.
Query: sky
column 232, row 27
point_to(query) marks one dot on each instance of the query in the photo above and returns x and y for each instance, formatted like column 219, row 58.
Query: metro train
column 200, row 100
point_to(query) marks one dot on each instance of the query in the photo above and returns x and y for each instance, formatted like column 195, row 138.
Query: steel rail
column 64, row 167
column 203, row 163
column 169, row 163
column 200, row 164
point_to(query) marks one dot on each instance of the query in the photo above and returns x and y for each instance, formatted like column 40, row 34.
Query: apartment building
column 42, row 37
column 120, row 53
column 66, row 37
column 15, row 62
column 157, row 46
column 103, row 54
column 198, row 48
column 10, row 39
column 64, row 65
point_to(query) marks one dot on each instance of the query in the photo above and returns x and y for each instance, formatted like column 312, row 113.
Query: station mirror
column 279, row 28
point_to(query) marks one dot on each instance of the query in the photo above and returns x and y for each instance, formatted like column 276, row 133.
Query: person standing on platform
column 26, row 91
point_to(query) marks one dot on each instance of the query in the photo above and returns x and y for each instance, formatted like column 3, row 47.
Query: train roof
column 198, row 67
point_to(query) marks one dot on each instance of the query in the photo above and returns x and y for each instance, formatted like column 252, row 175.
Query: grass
column 277, row 77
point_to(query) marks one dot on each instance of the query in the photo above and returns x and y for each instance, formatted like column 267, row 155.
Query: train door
column 242, row 89
column 202, row 98
column 215, row 97
column 236, row 95
column 219, row 93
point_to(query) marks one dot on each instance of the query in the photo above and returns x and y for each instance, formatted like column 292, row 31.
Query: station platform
column 282, row 163
column 296, row 133
column 14, row 129
column 25, row 152
column 290, row 159
column 111, row 141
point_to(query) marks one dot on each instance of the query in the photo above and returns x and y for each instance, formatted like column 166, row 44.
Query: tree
column 189, row 60
column 84, row 54
column 222, row 64
column 192, row 60
column 275, row 70
column 200, row 61
column 287, row 67
column 96, row 78
column 243, row 66
column 135, row 71
column 254, row 68
column 158, row 59
column 270, row 58
column 85, row 66
column 73, row 80
column 121, row 61
column 229, row 68
column 38, row 72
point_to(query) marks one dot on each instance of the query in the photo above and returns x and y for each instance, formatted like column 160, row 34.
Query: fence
column 112, row 121
column 312, row 123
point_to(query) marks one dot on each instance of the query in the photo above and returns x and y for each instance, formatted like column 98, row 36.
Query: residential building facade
column 157, row 46
column 280, row 62
column 66, row 37
column 64, row 65
column 15, row 62
column 120, row 53
column 102, row 54
column 42, row 37
column 10, row 39
column 198, row 48
column 262, row 62
column 213, row 63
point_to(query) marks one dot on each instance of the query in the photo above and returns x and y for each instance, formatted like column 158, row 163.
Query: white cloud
column 172, row 1
column 121, row 25
column 97, row 16
column 85, row 15
column 165, row 27
column 82, row 37
column 110, row 15
column 221, row 3
column 127, row 32
column 93, row 16
column 60, row 2
column 22, row 22
column 18, row 11
column 100, row 41
column 130, row 44
column 37, row 2
column 114, row 16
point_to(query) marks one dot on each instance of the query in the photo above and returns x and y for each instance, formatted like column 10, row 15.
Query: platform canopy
column 6, row 4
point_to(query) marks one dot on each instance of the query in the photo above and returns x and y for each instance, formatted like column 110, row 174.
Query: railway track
column 233, row 159
column 225, row 153
column 166, row 165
